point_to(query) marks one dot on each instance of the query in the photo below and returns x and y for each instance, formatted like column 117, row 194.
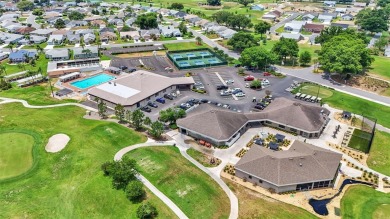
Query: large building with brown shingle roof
column 223, row 127
column 301, row 167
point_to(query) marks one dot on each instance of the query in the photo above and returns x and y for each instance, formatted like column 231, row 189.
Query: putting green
column 15, row 154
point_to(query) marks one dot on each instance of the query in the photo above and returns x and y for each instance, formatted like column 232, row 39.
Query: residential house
column 85, row 53
column 202, row 22
column 330, row 3
column 106, row 29
column 343, row 26
column 9, row 17
column 180, row 14
column 89, row 38
column 153, row 9
column 293, row 27
column 347, row 17
column 24, row 30
column 43, row 32
column 57, row 54
column 116, row 22
column 326, row 19
column 72, row 24
column 294, row 36
column 148, row 34
column 82, row 32
column 309, row 17
column 130, row 35
column 314, row 28
column 13, row 27
column 129, row 22
column 10, row 6
column 107, row 36
column 257, row 7
column 55, row 39
column 98, row 23
column 227, row 34
column 73, row 38
column 169, row 31
column 3, row 55
column 360, row 4
column 340, row 11
column 37, row 39
column 20, row 56
column 387, row 51
column 8, row 38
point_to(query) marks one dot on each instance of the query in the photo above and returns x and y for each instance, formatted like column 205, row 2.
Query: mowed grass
column 357, row 105
column 15, row 154
column 35, row 95
column 255, row 205
column 380, row 67
column 41, row 62
column 192, row 190
column 184, row 46
column 314, row 90
column 362, row 202
column 379, row 158
column 69, row 184
column 360, row 140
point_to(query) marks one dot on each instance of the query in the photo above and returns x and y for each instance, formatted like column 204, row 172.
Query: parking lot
column 157, row 64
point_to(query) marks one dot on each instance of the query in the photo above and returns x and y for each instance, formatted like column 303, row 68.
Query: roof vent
column 300, row 164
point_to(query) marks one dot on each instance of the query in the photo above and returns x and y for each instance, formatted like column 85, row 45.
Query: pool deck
column 78, row 90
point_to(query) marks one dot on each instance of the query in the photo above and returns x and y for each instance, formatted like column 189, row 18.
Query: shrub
column 146, row 210
column 134, row 190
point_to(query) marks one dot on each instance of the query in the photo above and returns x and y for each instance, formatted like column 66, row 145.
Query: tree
column 122, row 172
column 135, row 191
column 147, row 21
column 241, row 41
column 373, row 20
column 383, row 3
column 381, row 43
column 245, row 2
column 344, row 55
column 128, row 115
column 102, row 107
column 239, row 21
column 171, row 115
column 37, row 12
column 147, row 121
column 157, row 128
column 3, row 71
column 146, row 210
column 257, row 57
column 177, row 6
column 25, row 5
column 120, row 112
column 183, row 28
column 332, row 31
column 286, row 48
column 256, row 84
column 222, row 17
column 198, row 40
column 214, row 2
column 59, row 24
column 4, row 85
column 304, row 57
column 262, row 27
column 137, row 119
column 75, row 15
column 11, row 46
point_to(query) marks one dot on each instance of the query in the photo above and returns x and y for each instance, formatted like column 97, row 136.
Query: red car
column 266, row 74
column 249, row 78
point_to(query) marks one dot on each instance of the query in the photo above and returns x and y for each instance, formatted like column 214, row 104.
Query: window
column 165, row 90
column 249, row 176
column 156, row 94
column 282, row 126
column 293, row 130
column 268, row 122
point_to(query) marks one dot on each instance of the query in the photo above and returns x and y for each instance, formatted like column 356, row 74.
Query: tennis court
column 195, row 59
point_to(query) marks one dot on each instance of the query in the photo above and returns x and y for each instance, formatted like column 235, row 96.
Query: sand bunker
column 57, row 143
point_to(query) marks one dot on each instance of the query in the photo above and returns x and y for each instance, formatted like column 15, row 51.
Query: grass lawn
column 104, row 58
column 313, row 90
column 184, row 46
column 42, row 45
column 379, row 158
column 200, row 157
column 15, row 154
column 68, row 184
column 40, row 62
column 361, row 202
column 360, row 140
column 34, row 95
column 192, row 190
column 255, row 205
column 354, row 104
column 380, row 67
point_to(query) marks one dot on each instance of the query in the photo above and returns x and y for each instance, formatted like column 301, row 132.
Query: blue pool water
column 92, row 81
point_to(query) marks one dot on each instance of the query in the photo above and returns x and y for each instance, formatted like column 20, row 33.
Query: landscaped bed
column 360, row 202
column 69, row 184
column 192, row 190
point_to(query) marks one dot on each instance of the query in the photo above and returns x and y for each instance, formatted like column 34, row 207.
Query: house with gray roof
column 326, row 19
column 85, row 53
column 57, row 54
column 223, row 127
column 43, row 32
column 294, row 36
column 89, row 38
column 347, row 17
column 148, row 34
column 76, row 24
column 73, row 38
column 8, row 38
column 227, row 34
column 293, row 27
column 169, row 31
column 300, row 168
column 56, row 39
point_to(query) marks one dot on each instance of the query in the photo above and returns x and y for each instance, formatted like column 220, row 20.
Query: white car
column 247, row 85
column 230, row 81
column 265, row 82
column 241, row 94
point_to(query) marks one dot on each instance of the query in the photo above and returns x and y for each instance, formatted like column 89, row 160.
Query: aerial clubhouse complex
column 301, row 167
column 138, row 88
column 223, row 127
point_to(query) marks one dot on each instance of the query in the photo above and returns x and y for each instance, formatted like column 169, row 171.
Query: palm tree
column 198, row 40
column 39, row 49
column 86, row 51
column 11, row 46
column 2, row 70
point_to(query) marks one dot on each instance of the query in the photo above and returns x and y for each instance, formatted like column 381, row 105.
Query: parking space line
column 220, row 78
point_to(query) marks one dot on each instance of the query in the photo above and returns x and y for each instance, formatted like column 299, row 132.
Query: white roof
column 118, row 89
column 69, row 75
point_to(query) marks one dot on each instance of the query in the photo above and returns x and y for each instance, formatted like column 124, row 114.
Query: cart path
column 27, row 105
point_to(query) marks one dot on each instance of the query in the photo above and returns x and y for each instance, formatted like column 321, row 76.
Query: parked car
column 249, row 78
column 225, row 93
column 204, row 101
column 198, row 83
column 173, row 94
column 265, row 82
column 160, row 100
column 227, row 106
column 185, row 106
column 146, row 109
column 222, row 87
column 123, row 67
column 247, row 85
column 230, row 81
column 152, row 104
column 168, row 96
column 237, row 65
column 236, row 90
column 260, row 107
column 240, row 94
column 266, row 74
column 131, row 70
column 195, row 101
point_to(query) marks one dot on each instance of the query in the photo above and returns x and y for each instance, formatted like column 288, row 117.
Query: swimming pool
column 92, row 81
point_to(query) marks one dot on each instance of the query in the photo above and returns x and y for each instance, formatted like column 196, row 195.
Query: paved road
column 307, row 74
column 31, row 20
column 149, row 43
column 283, row 22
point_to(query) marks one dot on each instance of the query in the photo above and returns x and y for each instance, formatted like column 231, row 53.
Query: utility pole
column 318, row 92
